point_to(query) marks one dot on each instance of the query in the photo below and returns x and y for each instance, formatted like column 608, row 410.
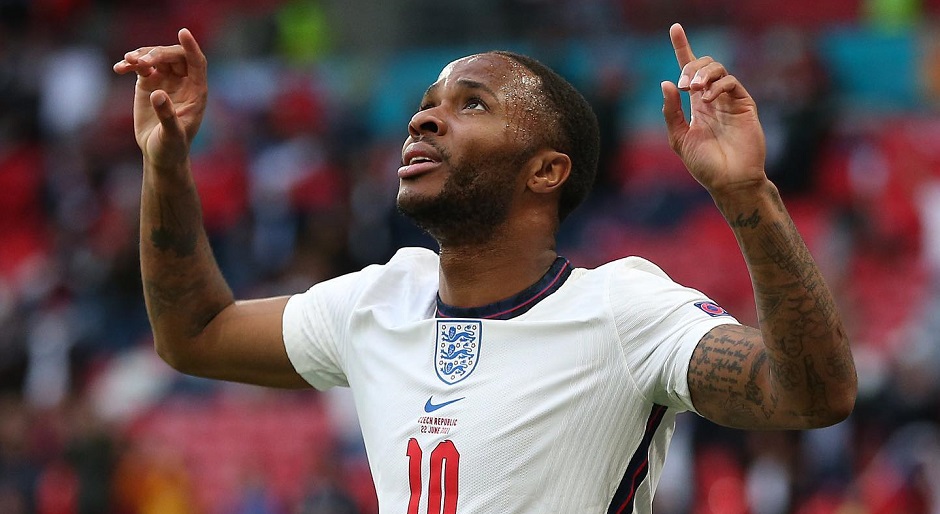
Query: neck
column 471, row 276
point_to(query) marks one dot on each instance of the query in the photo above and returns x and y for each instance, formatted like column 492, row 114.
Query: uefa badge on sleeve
column 712, row 309
column 457, row 349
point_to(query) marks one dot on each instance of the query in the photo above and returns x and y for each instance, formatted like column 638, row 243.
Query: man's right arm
column 198, row 327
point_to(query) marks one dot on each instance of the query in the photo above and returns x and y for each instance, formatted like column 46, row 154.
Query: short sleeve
column 660, row 323
column 315, row 328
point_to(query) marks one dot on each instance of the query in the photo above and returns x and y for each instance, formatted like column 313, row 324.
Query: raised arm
column 198, row 327
column 796, row 371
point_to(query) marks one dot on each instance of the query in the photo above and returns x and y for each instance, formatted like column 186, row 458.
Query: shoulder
column 637, row 266
column 627, row 272
column 639, row 287
column 630, row 284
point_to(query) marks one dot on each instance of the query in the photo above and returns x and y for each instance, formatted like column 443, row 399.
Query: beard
column 473, row 201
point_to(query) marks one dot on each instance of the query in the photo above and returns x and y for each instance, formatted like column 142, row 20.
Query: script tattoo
column 752, row 221
column 725, row 375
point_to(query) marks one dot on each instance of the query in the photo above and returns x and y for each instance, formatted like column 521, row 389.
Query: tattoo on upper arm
column 725, row 376
column 753, row 391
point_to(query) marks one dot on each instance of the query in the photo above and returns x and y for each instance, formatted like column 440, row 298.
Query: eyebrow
column 466, row 83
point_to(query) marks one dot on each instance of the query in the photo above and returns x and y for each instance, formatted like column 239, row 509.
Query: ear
column 550, row 169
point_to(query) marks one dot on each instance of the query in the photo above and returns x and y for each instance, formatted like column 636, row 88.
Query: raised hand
column 169, row 100
column 723, row 145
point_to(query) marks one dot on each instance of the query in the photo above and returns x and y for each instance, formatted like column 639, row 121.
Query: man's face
column 467, row 144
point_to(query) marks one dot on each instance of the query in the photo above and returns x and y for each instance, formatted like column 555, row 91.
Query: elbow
column 173, row 356
column 843, row 397
column 837, row 413
column 845, row 403
column 166, row 353
column 839, row 407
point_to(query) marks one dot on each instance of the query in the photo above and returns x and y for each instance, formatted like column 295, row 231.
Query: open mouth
column 418, row 158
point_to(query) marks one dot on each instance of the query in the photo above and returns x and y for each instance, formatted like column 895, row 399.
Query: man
column 493, row 376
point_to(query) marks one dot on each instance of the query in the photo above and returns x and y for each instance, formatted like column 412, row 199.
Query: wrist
column 743, row 189
column 748, row 201
column 744, row 192
column 168, row 174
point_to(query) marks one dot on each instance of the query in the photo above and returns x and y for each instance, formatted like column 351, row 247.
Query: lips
column 418, row 158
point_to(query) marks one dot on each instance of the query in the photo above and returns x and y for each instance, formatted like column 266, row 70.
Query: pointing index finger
column 194, row 56
column 680, row 43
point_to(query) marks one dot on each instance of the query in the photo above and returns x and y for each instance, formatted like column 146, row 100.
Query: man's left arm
column 796, row 371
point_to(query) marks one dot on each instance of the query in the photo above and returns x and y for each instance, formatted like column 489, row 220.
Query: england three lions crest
column 457, row 349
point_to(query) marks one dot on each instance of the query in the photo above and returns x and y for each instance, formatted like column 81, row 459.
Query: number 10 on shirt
column 442, row 489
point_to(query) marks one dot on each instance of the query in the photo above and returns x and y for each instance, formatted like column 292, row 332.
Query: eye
column 425, row 106
column 475, row 104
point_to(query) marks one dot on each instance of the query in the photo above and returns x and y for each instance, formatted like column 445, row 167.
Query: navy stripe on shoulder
column 638, row 468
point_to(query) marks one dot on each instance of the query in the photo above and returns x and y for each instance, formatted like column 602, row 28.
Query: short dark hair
column 577, row 134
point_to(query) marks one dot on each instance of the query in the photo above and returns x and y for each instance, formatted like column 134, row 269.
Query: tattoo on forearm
column 786, row 373
column 182, row 285
column 816, row 387
column 178, row 227
column 791, row 344
column 770, row 300
column 750, row 221
column 163, row 299
column 839, row 365
column 807, row 310
column 804, row 351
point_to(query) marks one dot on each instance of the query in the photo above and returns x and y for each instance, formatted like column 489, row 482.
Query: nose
column 427, row 121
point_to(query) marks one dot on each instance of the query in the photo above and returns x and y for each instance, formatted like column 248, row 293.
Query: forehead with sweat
column 519, row 91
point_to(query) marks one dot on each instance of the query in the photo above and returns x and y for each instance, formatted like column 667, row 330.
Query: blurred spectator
column 325, row 491
column 66, row 110
column 19, row 466
column 303, row 31
column 255, row 497
column 90, row 450
column 793, row 89
column 892, row 15
column 151, row 478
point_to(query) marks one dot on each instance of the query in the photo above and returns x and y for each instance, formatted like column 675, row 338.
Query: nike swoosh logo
column 431, row 407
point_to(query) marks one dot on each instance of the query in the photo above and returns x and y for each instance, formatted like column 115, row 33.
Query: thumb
column 163, row 107
column 676, row 125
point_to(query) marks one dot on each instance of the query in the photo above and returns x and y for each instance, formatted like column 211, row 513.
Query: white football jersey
column 559, row 399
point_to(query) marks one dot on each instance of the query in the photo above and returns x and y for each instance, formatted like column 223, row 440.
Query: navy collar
column 516, row 304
